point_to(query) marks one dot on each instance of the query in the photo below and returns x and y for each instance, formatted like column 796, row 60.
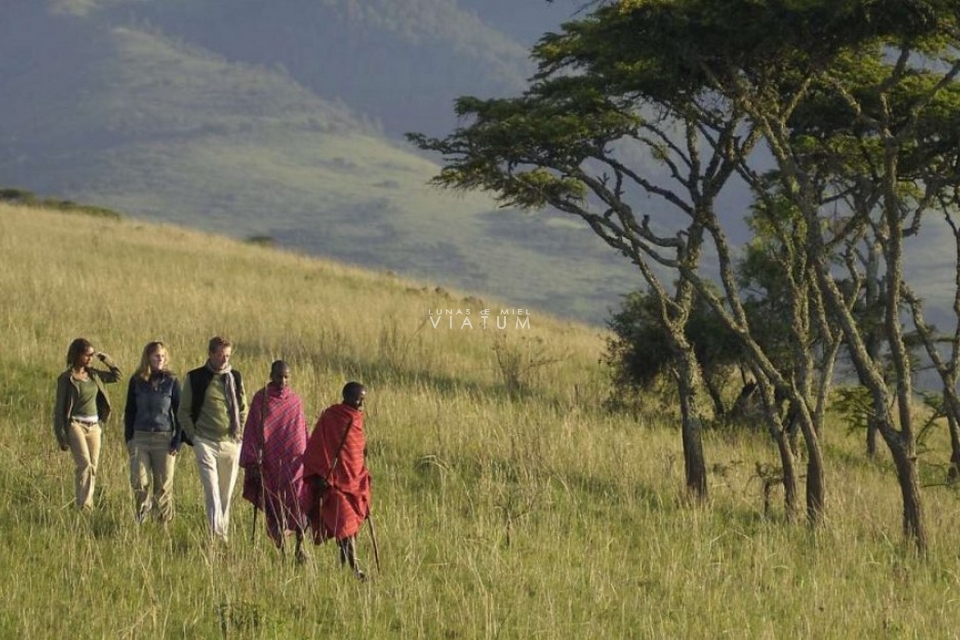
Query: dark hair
column 77, row 348
column 352, row 391
column 217, row 343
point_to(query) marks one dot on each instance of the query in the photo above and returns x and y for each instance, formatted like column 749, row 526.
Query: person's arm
column 183, row 414
column 363, row 441
column 314, row 468
column 177, row 441
column 60, row 412
column 249, row 450
column 242, row 403
column 353, row 452
column 130, row 411
column 114, row 374
column 303, row 433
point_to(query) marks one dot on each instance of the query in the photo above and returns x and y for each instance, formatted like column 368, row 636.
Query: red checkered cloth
column 276, row 436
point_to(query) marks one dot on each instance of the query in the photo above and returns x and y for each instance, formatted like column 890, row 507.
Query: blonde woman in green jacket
column 82, row 406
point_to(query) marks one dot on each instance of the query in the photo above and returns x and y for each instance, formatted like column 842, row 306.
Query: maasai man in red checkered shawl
column 333, row 466
column 274, row 440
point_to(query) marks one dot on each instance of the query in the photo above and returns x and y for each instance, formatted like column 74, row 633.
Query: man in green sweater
column 213, row 409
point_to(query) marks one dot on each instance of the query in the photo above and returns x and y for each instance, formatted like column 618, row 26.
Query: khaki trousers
column 218, row 464
column 84, row 441
column 151, row 462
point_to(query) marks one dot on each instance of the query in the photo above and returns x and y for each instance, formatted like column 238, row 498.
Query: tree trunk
column 953, row 473
column 951, row 407
column 719, row 410
column 816, row 482
column 872, row 430
column 790, row 495
column 872, row 323
column 913, row 526
column 695, row 466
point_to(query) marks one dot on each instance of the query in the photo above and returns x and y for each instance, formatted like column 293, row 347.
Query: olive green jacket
column 68, row 393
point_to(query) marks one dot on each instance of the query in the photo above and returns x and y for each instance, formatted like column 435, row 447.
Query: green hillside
column 531, row 513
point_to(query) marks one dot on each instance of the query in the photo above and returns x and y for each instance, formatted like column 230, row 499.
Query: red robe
column 341, row 509
column 274, row 439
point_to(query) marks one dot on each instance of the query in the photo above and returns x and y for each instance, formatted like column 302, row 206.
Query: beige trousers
column 151, row 462
column 218, row 464
column 84, row 441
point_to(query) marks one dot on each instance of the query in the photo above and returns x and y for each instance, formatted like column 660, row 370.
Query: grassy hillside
column 508, row 515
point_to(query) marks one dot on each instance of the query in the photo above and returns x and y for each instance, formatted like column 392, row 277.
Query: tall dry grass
column 508, row 503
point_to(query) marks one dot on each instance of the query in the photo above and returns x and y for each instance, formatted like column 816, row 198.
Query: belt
column 85, row 419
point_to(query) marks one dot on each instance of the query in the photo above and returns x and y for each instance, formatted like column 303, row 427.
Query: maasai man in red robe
column 333, row 466
column 274, row 440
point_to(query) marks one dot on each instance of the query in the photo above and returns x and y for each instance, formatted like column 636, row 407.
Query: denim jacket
column 152, row 406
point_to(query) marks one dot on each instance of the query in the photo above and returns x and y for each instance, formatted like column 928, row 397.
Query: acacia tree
column 571, row 142
column 859, row 124
column 664, row 58
column 852, row 112
column 817, row 81
column 793, row 328
column 893, row 140
column 560, row 142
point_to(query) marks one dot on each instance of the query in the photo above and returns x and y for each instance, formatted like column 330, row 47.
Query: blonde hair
column 143, row 371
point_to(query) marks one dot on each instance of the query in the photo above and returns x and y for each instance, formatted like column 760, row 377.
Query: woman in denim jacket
column 153, row 433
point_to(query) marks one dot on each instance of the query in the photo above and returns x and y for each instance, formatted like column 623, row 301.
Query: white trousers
column 218, row 464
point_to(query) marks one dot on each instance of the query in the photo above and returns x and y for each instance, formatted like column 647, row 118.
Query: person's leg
column 93, row 436
column 273, row 518
column 83, row 466
column 206, row 452
column 228, row 467
column 300, row 554
column 348, row 555
column 163, row 466
column 139, row 478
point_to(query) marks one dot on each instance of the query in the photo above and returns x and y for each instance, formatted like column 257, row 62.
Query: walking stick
column 253, row 523
column 373, row 539
column 263, row 498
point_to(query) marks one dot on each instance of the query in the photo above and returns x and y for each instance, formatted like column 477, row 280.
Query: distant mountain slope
column 399, row 61
column 120, row 113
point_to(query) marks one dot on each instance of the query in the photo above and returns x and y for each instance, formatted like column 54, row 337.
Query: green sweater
column 213, row 423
